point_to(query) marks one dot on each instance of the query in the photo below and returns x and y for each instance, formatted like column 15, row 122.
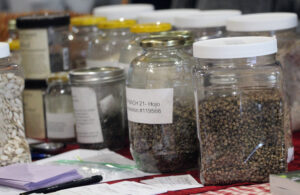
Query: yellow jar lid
column 59, row 76
column 150, row 27
column 112, row 24
column 87, row 20
column 14, row 45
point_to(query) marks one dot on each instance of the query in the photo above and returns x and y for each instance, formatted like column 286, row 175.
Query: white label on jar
column 60, row 125
column 290, row 157
column 35, row 53
column 34, row 113
column 88, row 125
column 150, row 106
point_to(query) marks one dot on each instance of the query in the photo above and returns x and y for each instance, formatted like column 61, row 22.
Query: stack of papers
column 157, row 185
column 32, row 176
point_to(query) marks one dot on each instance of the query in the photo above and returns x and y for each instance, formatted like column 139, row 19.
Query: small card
column 173, row 183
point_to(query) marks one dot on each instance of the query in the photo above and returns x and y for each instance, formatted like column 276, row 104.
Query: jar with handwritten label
column 160, row 107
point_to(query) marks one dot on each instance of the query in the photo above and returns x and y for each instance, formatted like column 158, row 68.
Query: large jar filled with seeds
column 160, row 107
column 206, row 24
column 99, row 107
column 84, row 31
column 282, row 26
column 241, row 110
column 13, row 145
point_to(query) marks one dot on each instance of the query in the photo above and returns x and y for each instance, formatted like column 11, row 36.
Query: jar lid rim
column 43, row 21
column 206, row 19
column 162, row 41
column 262, row 22
column 96, row 74
column 235, row 47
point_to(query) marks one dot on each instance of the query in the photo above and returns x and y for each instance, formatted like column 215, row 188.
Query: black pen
column 70, row 184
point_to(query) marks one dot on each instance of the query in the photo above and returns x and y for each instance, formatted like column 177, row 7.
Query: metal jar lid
column 164, row 41
column 185, row 34
column 96, row 75
column 43, row 21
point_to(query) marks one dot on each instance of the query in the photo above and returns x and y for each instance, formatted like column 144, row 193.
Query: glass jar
column 84, row 30
column 34, row 108
column 241, row 110
column 106, row 48
column 283, row 27
column 59, row 109
column 186, row 35
column 206, row 24
column 13, row 145
column 133, row 49
column 99, row 107
column 13, row 41
column 160, row 107
column 44, row 44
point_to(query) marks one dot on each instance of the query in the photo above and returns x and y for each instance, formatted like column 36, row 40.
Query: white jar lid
column 165, row 16
column 4, row 50
column 262, row 22
column 235, row 47
column 130, row 11
column 205, row 19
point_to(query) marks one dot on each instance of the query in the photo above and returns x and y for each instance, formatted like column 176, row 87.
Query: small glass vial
column 206, row 24
column 99, row 107
column 160, row 107
column 133, row 49
column 84, row 30
column 106, row 48
column 59, row 109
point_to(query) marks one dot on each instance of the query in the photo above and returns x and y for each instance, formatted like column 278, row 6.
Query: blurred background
column 86, row 6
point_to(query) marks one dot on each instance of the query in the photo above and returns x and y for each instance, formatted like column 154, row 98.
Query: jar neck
column 238, row 62
column 164, row 49
column 116, row 31
column 274, row 33
column 84, row 29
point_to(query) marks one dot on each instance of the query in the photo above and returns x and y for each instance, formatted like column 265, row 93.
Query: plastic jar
column 241, row 110
column 44, row 44
column 84, row 30
column 165, row 15
column 13, row 41
column 129, row 11
column 13, row 145
column 106, row 48
column 283, row 27
column 206, row 24
column 99, row 107
column 160, row 107
column 133, row 49
column 59, row 109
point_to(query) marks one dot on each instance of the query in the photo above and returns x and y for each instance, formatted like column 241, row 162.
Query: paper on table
column 173, row 183
column 32, row 176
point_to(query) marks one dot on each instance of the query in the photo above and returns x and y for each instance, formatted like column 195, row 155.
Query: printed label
column 60, row 125
column 150, row 106
column 35, row 53
column 34, row 114
column 88, row 125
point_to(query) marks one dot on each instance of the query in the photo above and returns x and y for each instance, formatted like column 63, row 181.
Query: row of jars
column 238, row 93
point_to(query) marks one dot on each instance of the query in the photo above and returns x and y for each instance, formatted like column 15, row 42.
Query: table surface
column 240, row 188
